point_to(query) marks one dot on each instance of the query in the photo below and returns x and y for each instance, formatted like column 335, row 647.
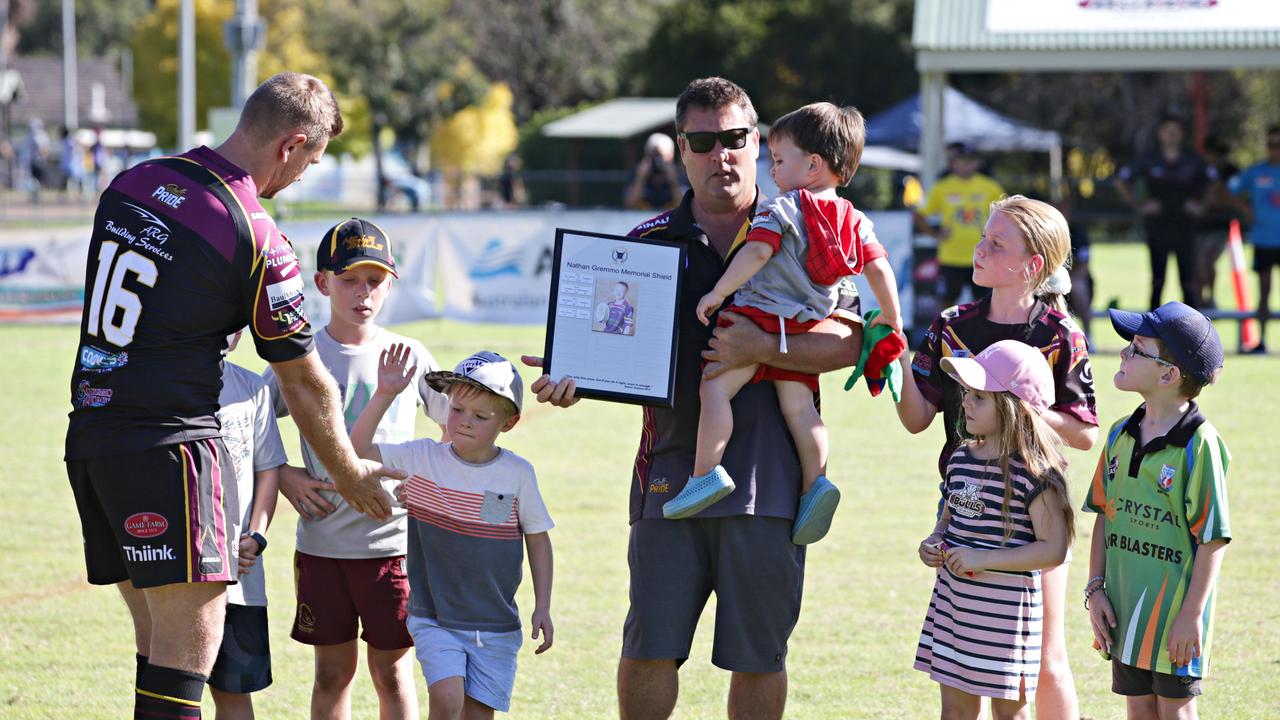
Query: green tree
column 103, row 27
column 404, row 57
column 785, row 55
column 553, row 53
column 155, row 75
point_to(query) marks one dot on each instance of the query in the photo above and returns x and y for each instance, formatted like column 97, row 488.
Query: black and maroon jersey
column 181, row 256
column 965, row 331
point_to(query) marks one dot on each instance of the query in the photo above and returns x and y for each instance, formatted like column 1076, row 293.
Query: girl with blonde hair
column 1022, row 258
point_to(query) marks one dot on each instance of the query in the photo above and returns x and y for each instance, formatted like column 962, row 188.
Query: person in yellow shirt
column 959, row 202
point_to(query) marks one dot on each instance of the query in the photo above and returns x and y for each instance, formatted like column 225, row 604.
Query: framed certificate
column 611, row 322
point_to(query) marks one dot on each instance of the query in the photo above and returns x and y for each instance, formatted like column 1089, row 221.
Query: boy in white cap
column 470, row 503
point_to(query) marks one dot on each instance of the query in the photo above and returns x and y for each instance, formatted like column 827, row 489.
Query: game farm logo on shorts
column 146, row 525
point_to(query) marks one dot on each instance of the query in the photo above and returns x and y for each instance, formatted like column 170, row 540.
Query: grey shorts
column 1135, row 681
column 750, row 564
column 244, row 659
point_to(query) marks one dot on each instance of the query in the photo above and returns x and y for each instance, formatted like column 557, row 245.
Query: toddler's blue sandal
column 699, row 494
column 817, row 508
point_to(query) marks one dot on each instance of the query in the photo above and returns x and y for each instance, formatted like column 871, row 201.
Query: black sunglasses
column 700, row 142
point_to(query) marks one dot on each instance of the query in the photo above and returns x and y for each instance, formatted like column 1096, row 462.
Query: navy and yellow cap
column 355, row 242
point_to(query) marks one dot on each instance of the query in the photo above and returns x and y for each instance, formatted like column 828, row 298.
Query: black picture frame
column 549, row 354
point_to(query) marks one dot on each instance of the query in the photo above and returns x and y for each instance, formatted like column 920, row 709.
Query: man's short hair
column 714, row 93
column 291, row 102
column 836, row 134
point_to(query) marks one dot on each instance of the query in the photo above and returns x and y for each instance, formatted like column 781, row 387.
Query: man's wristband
column 258, row 538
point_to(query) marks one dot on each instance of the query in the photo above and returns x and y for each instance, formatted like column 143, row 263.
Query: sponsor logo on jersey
column 147, row 553
column 364, row 242
column 93, row 359
column 87, row 397
column 286, row 293
column 259, row 215
column 156, row 229
column 146, row 524
column 289, row 318
column 171, row 194
column 1166, row 477
column 659, row 487
column 1112, row 466
column 142, row 239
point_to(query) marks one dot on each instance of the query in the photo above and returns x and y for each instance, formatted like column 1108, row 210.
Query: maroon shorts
column 770, row 324
column 335, row 596
column 158, row 516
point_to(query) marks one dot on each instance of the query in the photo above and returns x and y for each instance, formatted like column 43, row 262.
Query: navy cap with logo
column 355, row 242
column 487, row 371
column 1190, row 337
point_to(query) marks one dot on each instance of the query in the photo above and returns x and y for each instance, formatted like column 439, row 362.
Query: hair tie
column 1059, row 283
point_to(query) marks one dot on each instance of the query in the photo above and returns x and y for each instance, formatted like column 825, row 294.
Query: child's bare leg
column 445, row 699
column 335, row 670
column 810, row 435
column 476, row 710
column 1010, row 710
column 1177, row 708
column 392, row 674
column 715, row 420
column 1142, row 707
column 959, row 705
column 231, row 706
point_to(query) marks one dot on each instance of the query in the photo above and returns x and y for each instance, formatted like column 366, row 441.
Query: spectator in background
column 1219, row 211
column 960, row 202
column 655, row 186
column 1080, row 299
column 1176, row 180
column 34, row 156
column 1260, row 186
column 511, row 190
column 98, row 154
column 71, row 163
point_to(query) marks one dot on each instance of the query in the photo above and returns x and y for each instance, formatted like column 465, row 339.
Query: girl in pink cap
column 1006, row 516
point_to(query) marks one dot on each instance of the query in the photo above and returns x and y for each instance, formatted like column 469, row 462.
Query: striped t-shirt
column 982, row 632
column 1162, row 501
column 466, row 529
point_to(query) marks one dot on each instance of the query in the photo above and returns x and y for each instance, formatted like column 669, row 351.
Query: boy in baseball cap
column 1160, row 492
column 470, row 503
column 350, row 582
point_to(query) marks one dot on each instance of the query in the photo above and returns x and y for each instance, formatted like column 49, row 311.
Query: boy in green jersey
column 1160, row 493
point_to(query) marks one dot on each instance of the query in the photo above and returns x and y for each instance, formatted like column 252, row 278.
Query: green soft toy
column 881, row 347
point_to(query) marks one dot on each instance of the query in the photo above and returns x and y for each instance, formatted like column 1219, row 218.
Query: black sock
column 142, row 665
column 168, row 693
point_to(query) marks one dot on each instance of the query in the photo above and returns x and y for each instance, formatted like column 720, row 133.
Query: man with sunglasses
column 741, row 547
column 1261, row 185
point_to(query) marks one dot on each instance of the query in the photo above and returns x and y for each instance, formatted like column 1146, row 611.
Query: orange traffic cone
column 1249, row 328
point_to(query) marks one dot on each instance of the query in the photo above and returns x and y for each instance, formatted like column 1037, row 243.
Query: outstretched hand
column 394, row 373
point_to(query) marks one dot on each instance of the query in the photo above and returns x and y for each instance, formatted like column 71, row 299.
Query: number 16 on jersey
column 113, row 266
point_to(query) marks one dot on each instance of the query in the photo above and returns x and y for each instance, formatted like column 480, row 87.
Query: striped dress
column 982, row 633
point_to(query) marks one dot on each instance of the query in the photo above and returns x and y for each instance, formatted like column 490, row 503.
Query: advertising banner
column 42, row 275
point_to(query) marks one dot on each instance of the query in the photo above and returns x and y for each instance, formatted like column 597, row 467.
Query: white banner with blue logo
column 413, row 296
column 496, row 267
column 42, row 274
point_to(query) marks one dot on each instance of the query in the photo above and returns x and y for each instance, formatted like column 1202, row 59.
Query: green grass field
column 67, row 647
